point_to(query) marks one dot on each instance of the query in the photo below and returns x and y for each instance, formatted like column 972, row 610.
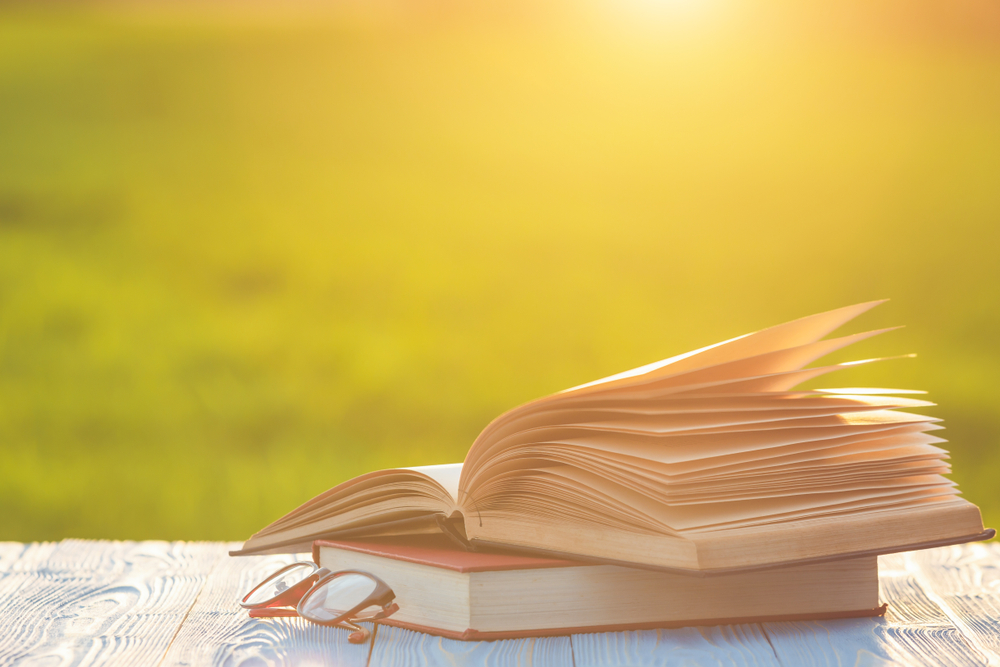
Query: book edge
column 471, row 634
column 987, row 534
column 303, row 545
column 367, row 548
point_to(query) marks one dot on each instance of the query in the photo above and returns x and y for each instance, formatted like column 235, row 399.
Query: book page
column 445, row 474
column 711, row 440
column 791, row 334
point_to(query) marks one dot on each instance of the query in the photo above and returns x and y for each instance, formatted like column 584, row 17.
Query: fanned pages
column 708, row 461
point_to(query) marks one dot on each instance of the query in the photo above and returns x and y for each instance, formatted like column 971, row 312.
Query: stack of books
column 700, row 489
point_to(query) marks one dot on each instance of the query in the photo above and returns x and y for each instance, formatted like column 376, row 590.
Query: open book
column 708, row 461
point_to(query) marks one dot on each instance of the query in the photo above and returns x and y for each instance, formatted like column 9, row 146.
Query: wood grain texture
column 915, row 630
column 965, row 582
column 159, row 603
column 219, row 632
column 404, row 648
column 89, row 603
column 717, row 645
column 19, row 557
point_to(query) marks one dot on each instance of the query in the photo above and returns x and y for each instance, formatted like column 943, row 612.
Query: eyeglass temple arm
column 276, row 612
column 286, row 612
column 272, row 612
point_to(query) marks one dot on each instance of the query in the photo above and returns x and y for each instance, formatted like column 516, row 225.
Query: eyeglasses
column 321, row 596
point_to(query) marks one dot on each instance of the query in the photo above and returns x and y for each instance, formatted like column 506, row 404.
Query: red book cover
column 438, row 551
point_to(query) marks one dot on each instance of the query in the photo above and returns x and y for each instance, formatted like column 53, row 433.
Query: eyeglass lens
column 280, row 582
column 336, row 597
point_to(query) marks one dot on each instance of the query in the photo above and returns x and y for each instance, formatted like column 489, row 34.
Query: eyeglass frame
column 278, row 606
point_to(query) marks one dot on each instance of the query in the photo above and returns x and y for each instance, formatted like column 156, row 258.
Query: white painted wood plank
column 98, row 603
column 717, row 645
column 20, row 557
column 90, row 603
column 403, row 648
column 965, row 582
column 842, row 642
column 219, row 632
column 915, row 630
column 10, row 552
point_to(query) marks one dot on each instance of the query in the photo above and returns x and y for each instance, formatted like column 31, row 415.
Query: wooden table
column 158, row 603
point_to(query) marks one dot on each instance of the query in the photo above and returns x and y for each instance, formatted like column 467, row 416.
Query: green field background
column 246, row 254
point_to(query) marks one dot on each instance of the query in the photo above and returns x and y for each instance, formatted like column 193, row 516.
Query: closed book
column 451, row 592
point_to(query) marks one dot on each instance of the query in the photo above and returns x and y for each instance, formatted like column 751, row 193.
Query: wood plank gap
column 371, row 644
column 764, row 632
column 187, row 613
column 956, row 619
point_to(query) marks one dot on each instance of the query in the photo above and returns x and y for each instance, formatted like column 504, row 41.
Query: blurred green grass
column 245, row 256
